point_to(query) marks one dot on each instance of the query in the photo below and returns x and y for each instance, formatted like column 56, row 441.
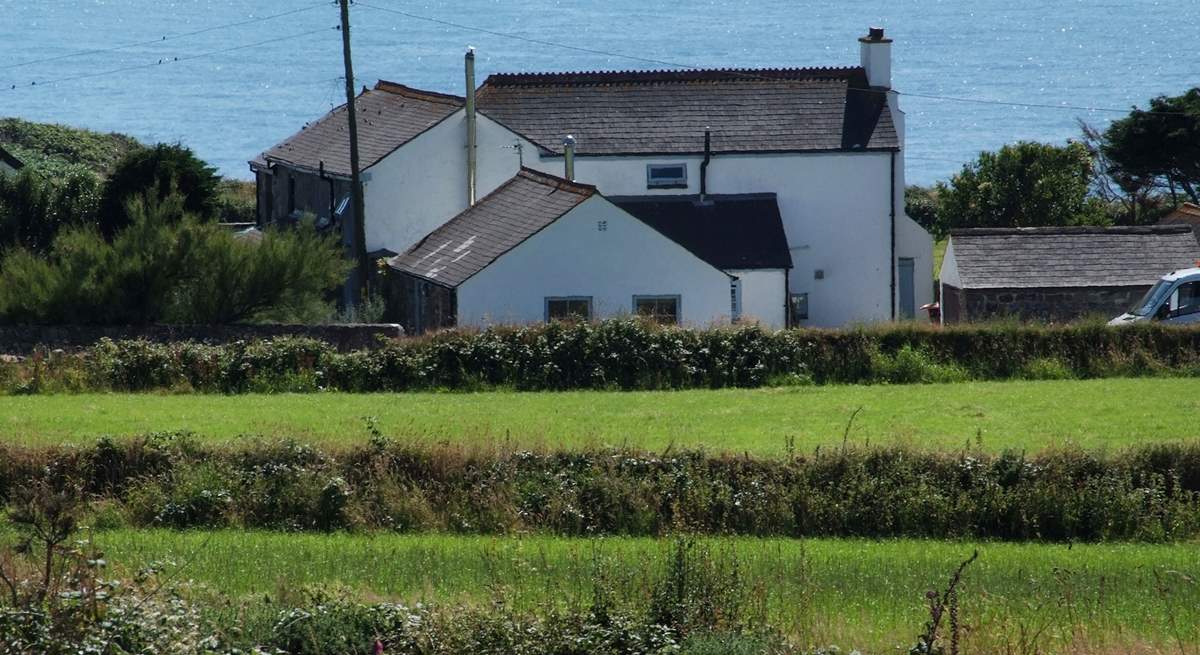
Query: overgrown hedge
column 1151, row 493
column 621, row 354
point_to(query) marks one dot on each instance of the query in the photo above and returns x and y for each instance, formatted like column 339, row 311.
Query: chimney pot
column 876, row 33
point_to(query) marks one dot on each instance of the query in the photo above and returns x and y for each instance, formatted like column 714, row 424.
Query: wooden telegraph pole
column 363, row 267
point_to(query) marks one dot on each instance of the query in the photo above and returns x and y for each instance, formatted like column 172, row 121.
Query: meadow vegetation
column 990, row 416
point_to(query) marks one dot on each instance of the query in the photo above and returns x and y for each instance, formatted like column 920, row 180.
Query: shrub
column 158, row 173
column 1150, row 493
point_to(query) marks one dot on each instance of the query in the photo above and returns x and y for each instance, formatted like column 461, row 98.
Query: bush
column 618, row 354
column 158, row 173
column 35, row 206
column 1150, row 493
column 166, row 266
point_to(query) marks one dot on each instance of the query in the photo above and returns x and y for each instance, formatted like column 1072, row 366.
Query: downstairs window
column 569, row 308
column 660, row 309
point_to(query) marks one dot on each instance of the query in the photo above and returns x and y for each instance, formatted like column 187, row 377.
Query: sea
column 229, row 78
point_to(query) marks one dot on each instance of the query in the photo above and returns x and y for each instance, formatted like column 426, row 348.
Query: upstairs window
column 666, row 176
column 569, row 308
column 660, row 309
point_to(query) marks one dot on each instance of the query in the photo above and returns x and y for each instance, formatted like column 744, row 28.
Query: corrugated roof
column 666, row 112
column 741, row 231
column 389, row 116
column 1071, row 256
column 497, row 223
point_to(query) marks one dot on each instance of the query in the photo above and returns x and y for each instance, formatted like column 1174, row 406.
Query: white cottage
column 786, row 185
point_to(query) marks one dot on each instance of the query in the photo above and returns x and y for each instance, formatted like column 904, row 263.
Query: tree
column 920, row 204
column 161, row 171
column 1158, row 148
column 1021, row 185
column 1125, row 201
column 36, row 203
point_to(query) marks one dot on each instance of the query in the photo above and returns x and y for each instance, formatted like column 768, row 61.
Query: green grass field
column 855, row 593
column 1106, row 413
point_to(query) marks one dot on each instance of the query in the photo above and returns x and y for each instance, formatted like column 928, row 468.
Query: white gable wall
column 572, row 257
column 423, row 184
column 836, row 215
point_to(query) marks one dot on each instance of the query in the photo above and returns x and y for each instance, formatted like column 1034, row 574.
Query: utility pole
column 360, row 231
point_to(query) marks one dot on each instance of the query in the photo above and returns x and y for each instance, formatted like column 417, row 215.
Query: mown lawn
column 1026, row 415
column 855, row 593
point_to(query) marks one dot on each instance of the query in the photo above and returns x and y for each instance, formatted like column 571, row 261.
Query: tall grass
column 856, row 593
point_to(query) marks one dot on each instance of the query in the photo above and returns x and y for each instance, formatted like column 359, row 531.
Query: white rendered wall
column 423, row 184
column 764, row 296
column 836, row 215
column 571, row 257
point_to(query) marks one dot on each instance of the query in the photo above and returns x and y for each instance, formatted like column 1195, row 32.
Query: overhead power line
column 171, row 37
column 661, row 62
column 170, row 60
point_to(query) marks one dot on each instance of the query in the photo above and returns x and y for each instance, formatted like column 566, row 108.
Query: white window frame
column 666, row 183
column 657, row 297
column 548, row 299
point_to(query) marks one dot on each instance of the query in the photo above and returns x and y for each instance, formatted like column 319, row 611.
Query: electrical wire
column 173, row 37
column 661, row 62
column 170, row 60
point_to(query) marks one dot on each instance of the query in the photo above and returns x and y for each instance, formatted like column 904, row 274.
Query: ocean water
column 228, row 95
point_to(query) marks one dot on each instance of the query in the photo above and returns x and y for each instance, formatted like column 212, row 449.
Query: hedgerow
column 1151, row 493
column 620, row 354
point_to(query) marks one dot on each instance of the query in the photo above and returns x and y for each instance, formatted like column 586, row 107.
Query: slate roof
column 666, row 112
column 741, row 231
column 1071, row 256
column 1185, row 214
column 495, row 224
column 389, row 116
column 10, row 159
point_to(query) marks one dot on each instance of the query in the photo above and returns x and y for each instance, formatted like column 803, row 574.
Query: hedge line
column 1151, row 493
column 621, row 354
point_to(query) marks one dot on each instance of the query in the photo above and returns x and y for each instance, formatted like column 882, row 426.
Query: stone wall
column 1046, row 304
column 24, row 339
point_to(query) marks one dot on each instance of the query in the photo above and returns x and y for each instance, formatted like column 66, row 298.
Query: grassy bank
column 861, row 594
column 1025, row 415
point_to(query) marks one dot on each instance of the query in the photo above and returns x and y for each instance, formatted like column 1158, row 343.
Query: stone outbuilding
column 1057, row 273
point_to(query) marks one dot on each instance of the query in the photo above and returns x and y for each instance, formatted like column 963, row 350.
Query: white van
column 1174, row 299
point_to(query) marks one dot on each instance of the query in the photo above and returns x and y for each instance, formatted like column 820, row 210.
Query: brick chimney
column 875, row 53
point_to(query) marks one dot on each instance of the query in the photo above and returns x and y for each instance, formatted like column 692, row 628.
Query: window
column 797, row 308
column 660, row 309
column 291, row 194
column 569, row 308
column 666, row 176
column 1187, row 299
column 342, row 205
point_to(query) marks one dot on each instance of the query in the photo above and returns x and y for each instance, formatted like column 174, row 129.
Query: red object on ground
column 378, row 649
